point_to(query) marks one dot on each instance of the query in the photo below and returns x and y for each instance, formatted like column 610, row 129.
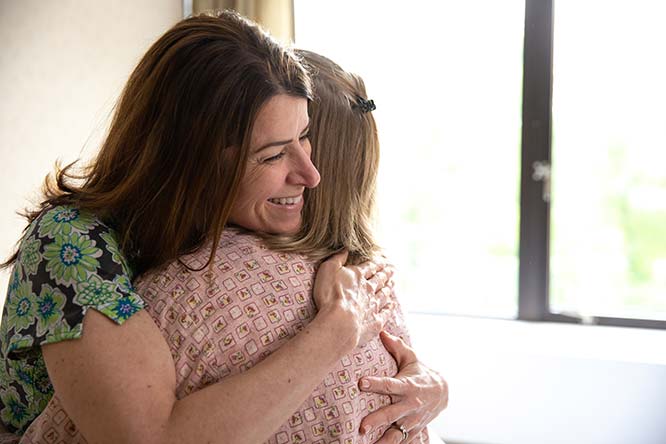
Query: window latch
column 541, row 173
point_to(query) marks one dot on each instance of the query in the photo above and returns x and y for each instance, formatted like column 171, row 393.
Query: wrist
column 340, row 325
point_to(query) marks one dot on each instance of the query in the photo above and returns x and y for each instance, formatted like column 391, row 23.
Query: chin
column 285, row 229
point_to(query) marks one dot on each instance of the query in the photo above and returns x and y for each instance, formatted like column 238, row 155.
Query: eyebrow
column 280, row 142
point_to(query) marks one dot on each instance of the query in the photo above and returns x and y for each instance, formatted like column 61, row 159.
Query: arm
column 132, row 378
column 419, row 394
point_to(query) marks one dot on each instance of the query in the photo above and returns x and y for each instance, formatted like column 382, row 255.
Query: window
column 608, row 243
column 470, row 209
column 448, row 101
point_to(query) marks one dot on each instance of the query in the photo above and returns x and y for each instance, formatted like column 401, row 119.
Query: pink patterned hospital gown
column 226, row 318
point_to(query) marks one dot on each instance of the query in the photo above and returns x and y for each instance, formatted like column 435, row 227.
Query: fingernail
column 365, row 384
column 365, row 429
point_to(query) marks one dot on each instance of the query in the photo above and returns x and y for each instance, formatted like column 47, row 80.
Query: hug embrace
column 223, row 239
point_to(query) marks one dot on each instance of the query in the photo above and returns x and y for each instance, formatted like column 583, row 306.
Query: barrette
column 365, row 105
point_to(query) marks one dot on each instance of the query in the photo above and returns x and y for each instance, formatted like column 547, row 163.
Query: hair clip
column 365, row 105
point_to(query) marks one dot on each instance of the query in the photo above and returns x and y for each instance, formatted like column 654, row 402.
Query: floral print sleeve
column 68, row 262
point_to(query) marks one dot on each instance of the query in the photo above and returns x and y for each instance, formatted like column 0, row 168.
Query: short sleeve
column 68, row 262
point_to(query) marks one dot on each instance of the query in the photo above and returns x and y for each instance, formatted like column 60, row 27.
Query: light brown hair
column 338, row 213
column 165, row 178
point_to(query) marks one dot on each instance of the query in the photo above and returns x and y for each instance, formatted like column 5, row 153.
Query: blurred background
column 447, row 77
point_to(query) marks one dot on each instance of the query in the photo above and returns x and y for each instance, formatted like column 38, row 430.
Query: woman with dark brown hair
column 186, row 155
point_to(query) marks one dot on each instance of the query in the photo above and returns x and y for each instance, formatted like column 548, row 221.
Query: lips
column 286, row 200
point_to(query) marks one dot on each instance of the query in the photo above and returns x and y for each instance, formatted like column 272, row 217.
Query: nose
column 304, row 172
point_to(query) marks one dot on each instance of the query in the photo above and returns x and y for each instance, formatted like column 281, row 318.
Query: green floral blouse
column 68, row 261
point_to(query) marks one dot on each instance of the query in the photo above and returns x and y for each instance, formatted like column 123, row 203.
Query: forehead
column 282, row 117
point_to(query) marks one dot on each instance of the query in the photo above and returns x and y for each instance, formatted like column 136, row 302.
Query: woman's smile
column 287, row 201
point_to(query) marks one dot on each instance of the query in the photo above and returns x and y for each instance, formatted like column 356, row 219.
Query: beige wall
column 62, row 65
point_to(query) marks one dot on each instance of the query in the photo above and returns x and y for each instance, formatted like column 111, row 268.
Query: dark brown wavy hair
column 338, row 214
column 166, row 176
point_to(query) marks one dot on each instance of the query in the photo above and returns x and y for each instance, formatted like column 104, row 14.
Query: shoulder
column 68, row 261
column 247, row 252
column 240, row 249
column 73, row 244
column 240, row 259
column 235, row 250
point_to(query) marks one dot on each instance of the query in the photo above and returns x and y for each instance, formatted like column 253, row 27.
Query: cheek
column 245, row 202
column 268, row 185
column 259, row 184
column 253, row 191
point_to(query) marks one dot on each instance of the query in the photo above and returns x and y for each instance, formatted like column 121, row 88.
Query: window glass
column 608, row 244
column 446, row 77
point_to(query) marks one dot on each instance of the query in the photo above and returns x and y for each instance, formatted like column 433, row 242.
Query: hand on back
column 358, row 295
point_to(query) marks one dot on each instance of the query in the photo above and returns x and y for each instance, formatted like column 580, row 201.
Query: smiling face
column 279, row 168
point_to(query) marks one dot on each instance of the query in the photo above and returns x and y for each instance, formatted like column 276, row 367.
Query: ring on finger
column 403, row 429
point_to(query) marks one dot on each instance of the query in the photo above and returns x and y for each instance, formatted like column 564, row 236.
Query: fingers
column 370, row 268
column 375, row 323
column 383, row 385
column 401, row 352
column 384, row 315
column 383, row 417
column 392, row 435
column 384, row 296
column 380, row 257
column 414, row 436
column 338, row 259
column 389, row 267
column 376, row 282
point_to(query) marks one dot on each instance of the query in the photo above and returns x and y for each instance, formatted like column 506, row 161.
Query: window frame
column 534, row 240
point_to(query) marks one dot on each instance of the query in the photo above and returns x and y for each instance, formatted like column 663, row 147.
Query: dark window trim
column 534, row 249
column 534, row 212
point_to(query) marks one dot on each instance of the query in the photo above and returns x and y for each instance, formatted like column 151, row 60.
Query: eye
column 275, row 158
column 305, row 136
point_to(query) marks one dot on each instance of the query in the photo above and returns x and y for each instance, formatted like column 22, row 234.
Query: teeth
column 286, row 200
